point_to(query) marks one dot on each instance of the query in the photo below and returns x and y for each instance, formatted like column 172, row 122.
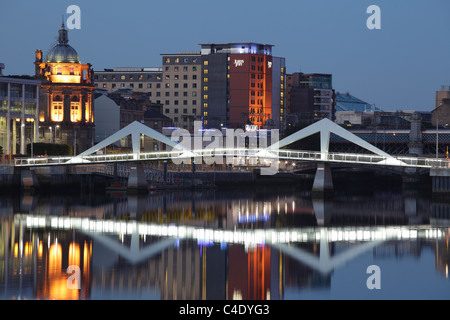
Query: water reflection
column 221, row 244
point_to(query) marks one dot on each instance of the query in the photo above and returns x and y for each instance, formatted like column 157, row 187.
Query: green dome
column 62, row 52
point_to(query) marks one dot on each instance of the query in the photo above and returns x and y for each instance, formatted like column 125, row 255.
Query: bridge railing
column 241, row 156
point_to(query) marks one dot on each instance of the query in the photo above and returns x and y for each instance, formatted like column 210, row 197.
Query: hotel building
column 242, row 84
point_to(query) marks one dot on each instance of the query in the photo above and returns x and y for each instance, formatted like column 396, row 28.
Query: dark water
column 263, row 243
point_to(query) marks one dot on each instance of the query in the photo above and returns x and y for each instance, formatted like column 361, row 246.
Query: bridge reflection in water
column 207, row 245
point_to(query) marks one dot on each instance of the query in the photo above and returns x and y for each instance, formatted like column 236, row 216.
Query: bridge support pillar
column 137, row 183
column 323, row 181
column 28, row 180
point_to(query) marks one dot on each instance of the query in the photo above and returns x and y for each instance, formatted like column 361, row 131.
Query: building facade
column 443, row 93
column 242, row 84
column 66, row 114
column 310, row 96
column 19, row 114
column 176, row 85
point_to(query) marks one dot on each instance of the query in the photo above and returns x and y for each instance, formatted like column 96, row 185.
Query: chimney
column 2, row 66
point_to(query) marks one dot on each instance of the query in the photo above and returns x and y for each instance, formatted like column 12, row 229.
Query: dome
column 62, row 52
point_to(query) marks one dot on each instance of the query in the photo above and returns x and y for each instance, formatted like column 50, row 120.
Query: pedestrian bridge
column 262, row 157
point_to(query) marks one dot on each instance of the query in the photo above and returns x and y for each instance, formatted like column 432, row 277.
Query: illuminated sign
column 238, row 63
column 251, row 127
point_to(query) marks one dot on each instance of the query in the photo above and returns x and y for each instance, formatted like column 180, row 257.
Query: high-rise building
column 242, row 84
column 66, row 112
column 310, row 96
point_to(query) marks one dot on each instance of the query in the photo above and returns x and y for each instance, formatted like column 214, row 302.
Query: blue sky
column 397, row 68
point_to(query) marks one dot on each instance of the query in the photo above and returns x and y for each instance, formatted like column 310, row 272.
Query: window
column 104, row 85
column 205, row 63
column 140, row 85
column 131, row 85
column 205, row 88
column 175, row 93
column 141, row 77
column 194, row 102
column 185, row 77
column 158, row 94
column 185, row 94
column 122, row 77
column 205, row 96
column 205, row 80
column 176, row 85
column 167, row 68
column 194, row 77
column 167, row 60
column 175, row 110
column 175, row 102
column 194, row 68
column 185, row 68
column 177, row 60
column 176, row 77
column 167, row 102
column 185, row 102
column 167, row 85
column 205, row 71
column 167, row 77
column 175, row 119
column 205, row 105
column 194, row 93
column 176, row 69
column 185, row 85
column 194, row 85
column 194, row 111
column 184, row 110
column 167, row 94
column 158, row 85
column 149, row 85
column 113, row 85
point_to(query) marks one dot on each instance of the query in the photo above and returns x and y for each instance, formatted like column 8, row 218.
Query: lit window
column 205, row 114
column 205, row 96
column 167, row 60
column 205, row 105
column 205, row 71
column 205, row 63
column 177, row 60
column 205, row 88
column 205, row 80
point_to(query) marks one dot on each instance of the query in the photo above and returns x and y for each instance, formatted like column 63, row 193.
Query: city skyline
column 399, row 67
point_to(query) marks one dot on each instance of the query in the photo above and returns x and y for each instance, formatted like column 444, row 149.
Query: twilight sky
column 398, row 67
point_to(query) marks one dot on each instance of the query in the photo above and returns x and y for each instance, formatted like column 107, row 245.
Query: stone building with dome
column 66, row 113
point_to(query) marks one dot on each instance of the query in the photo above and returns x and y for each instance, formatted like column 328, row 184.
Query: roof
column 153, row 114
column 347, row 102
